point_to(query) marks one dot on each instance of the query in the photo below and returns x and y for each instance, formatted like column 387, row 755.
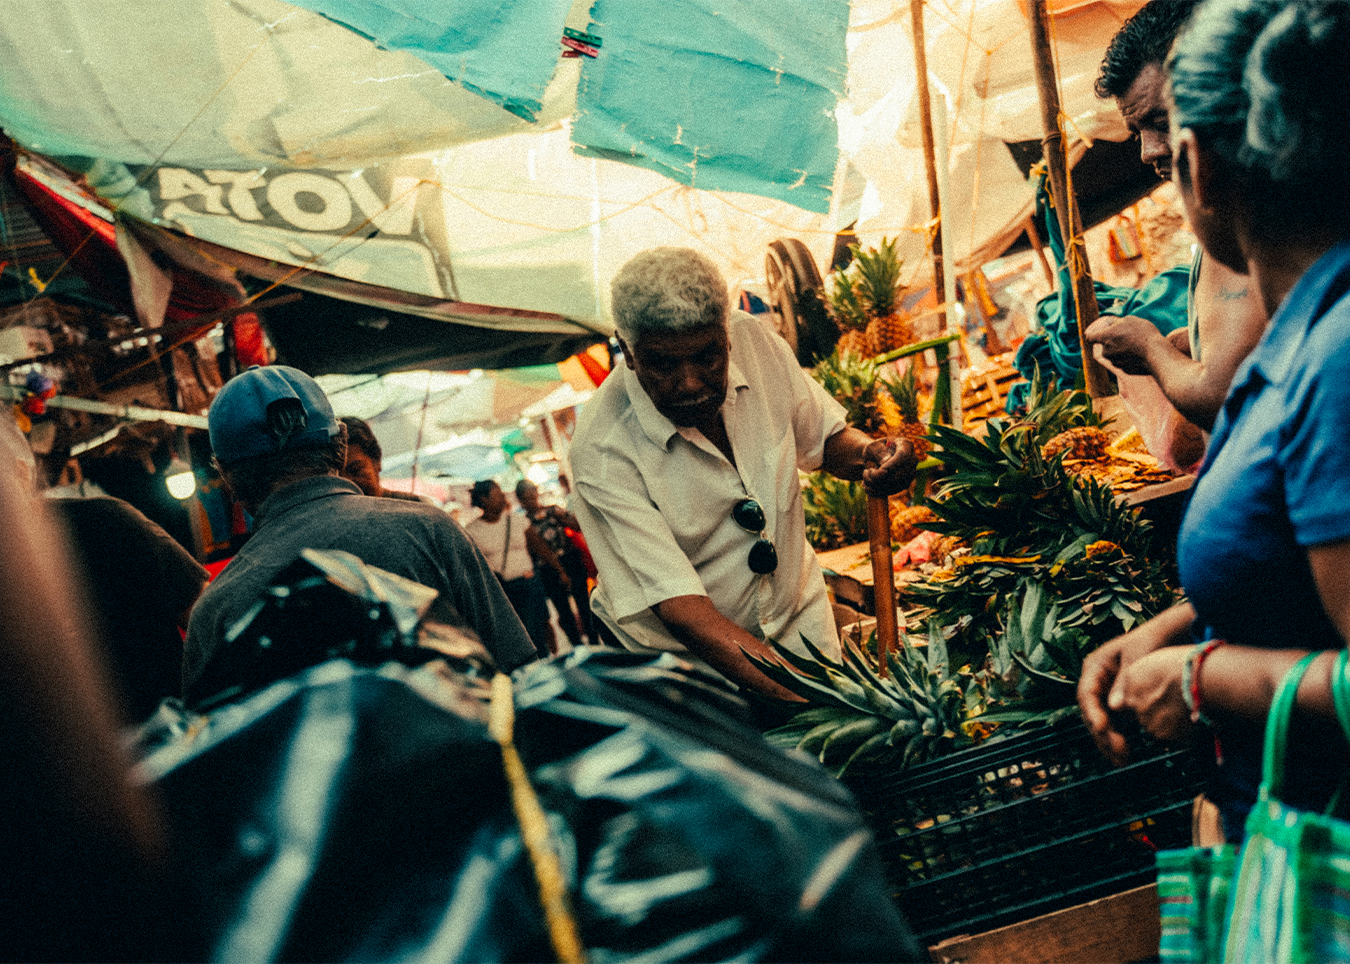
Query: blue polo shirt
column 1276, row 481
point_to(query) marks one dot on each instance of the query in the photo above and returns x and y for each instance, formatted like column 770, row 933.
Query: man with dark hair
column 365, row 461
column 565, row 583
column 279, row 449
column 511, row 545
column 1224, row 323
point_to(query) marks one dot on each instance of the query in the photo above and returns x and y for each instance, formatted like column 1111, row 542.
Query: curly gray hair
column 667, row 289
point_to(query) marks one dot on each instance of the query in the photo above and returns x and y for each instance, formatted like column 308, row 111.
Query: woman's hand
column 1104, row 666
column 1150, row 688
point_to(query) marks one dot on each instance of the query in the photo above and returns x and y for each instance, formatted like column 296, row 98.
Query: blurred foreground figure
column 79, row 862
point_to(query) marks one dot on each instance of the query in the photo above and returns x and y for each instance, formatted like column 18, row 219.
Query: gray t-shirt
column 419, row 542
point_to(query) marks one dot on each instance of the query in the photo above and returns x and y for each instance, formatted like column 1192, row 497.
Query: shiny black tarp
column 360, row 814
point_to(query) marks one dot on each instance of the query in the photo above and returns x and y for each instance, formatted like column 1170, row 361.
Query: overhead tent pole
column 1095, row 376
column 929, row 155
column 130, row 413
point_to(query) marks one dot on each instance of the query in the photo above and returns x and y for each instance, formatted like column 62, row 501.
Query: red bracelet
column 1192, row 691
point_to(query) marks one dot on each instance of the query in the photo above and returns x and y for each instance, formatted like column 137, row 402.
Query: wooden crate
column 1119, row 929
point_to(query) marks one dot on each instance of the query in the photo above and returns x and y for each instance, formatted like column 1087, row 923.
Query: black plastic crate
column 1023, row 826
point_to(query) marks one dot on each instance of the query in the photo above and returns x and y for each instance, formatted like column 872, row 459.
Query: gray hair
column 1266, row 86
column 667, row 289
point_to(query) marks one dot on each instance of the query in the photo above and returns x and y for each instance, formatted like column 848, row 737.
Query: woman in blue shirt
column 1261, row 119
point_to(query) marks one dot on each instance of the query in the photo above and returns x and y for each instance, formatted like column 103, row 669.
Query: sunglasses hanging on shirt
column 750, row 516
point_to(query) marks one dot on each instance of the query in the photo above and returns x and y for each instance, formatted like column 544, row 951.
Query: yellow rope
column 562, row 925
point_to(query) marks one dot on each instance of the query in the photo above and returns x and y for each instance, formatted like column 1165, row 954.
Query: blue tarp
column 731, row 95
column 506, row 52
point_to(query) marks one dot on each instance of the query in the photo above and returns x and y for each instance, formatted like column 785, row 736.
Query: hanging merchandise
column 1053, row 347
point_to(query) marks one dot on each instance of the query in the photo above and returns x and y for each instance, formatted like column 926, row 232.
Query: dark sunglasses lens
column 748, row 515
column 763, row 557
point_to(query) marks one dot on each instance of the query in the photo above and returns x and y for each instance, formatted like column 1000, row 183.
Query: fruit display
column 1039, row 563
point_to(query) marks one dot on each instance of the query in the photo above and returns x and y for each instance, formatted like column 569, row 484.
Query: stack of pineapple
column 1042, row 565
column 864, row 300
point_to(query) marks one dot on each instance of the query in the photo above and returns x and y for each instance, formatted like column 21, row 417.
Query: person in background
column 279, row 448
column 365, row 460
column 509, row 542
column 568, row 584
column 1260, row 95
column 1224, row 318
column 685, row 463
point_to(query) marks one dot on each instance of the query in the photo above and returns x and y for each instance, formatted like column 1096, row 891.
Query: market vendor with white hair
column 685, row 463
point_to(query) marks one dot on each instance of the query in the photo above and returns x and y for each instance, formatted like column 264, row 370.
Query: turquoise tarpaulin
column 506, row 52
column 727, row 95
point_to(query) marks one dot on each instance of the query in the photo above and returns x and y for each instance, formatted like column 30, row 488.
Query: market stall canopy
column 448, row 151
column 406, row 410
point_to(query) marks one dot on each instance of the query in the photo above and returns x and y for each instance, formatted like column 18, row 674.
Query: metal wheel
column 795, row 289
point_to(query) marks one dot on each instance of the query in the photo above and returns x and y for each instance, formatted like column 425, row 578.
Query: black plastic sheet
column 359, row 812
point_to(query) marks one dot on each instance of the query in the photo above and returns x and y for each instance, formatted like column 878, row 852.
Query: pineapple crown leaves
column 1053, row 410
column 842, row 301
column 835, row 511
column 850, row 683
column 905, row 391
column 876, row 274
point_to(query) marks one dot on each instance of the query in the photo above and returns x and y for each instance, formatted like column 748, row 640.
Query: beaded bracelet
column 1190, row 679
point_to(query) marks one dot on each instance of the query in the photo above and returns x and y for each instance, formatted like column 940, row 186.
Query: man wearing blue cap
column 280, row 448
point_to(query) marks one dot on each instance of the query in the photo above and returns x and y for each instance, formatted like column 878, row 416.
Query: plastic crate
column 1039, row 821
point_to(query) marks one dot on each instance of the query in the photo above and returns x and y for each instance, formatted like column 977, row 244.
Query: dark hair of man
column 254, row 479
column 361, row 438
column 1265, row 85
column 1144, row 39
column 480, row 492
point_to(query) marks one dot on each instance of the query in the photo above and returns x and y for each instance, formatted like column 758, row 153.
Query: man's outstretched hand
column 1126, row 342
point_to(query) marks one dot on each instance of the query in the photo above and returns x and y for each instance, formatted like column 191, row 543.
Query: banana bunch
column 914, row 713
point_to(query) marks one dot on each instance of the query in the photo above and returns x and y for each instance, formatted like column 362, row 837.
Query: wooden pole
column 929, row 154
column 1066, row 207
column 883, row 579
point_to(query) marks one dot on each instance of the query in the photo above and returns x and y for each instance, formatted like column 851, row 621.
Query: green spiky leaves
column 855, row 714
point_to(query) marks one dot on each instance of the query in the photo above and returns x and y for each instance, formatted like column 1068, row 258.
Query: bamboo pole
column 1066, row 207
column 883, row 579
column 929, row 155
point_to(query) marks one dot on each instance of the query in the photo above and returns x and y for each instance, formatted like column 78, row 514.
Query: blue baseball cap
column 269, row 409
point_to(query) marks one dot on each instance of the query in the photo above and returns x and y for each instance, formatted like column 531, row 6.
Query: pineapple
column 1086, row 443
column 877, row 281
column 905, row 392
column 915, row 712
column 907, row 521
column 843, row 305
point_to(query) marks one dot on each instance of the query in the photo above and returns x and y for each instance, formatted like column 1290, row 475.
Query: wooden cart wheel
column 795, row 287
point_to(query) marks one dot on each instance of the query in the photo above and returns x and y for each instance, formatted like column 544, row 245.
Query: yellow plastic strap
column 562, row 924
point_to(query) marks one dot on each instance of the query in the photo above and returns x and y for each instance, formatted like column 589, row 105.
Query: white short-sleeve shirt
column 654, row 500
column 502, row 543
